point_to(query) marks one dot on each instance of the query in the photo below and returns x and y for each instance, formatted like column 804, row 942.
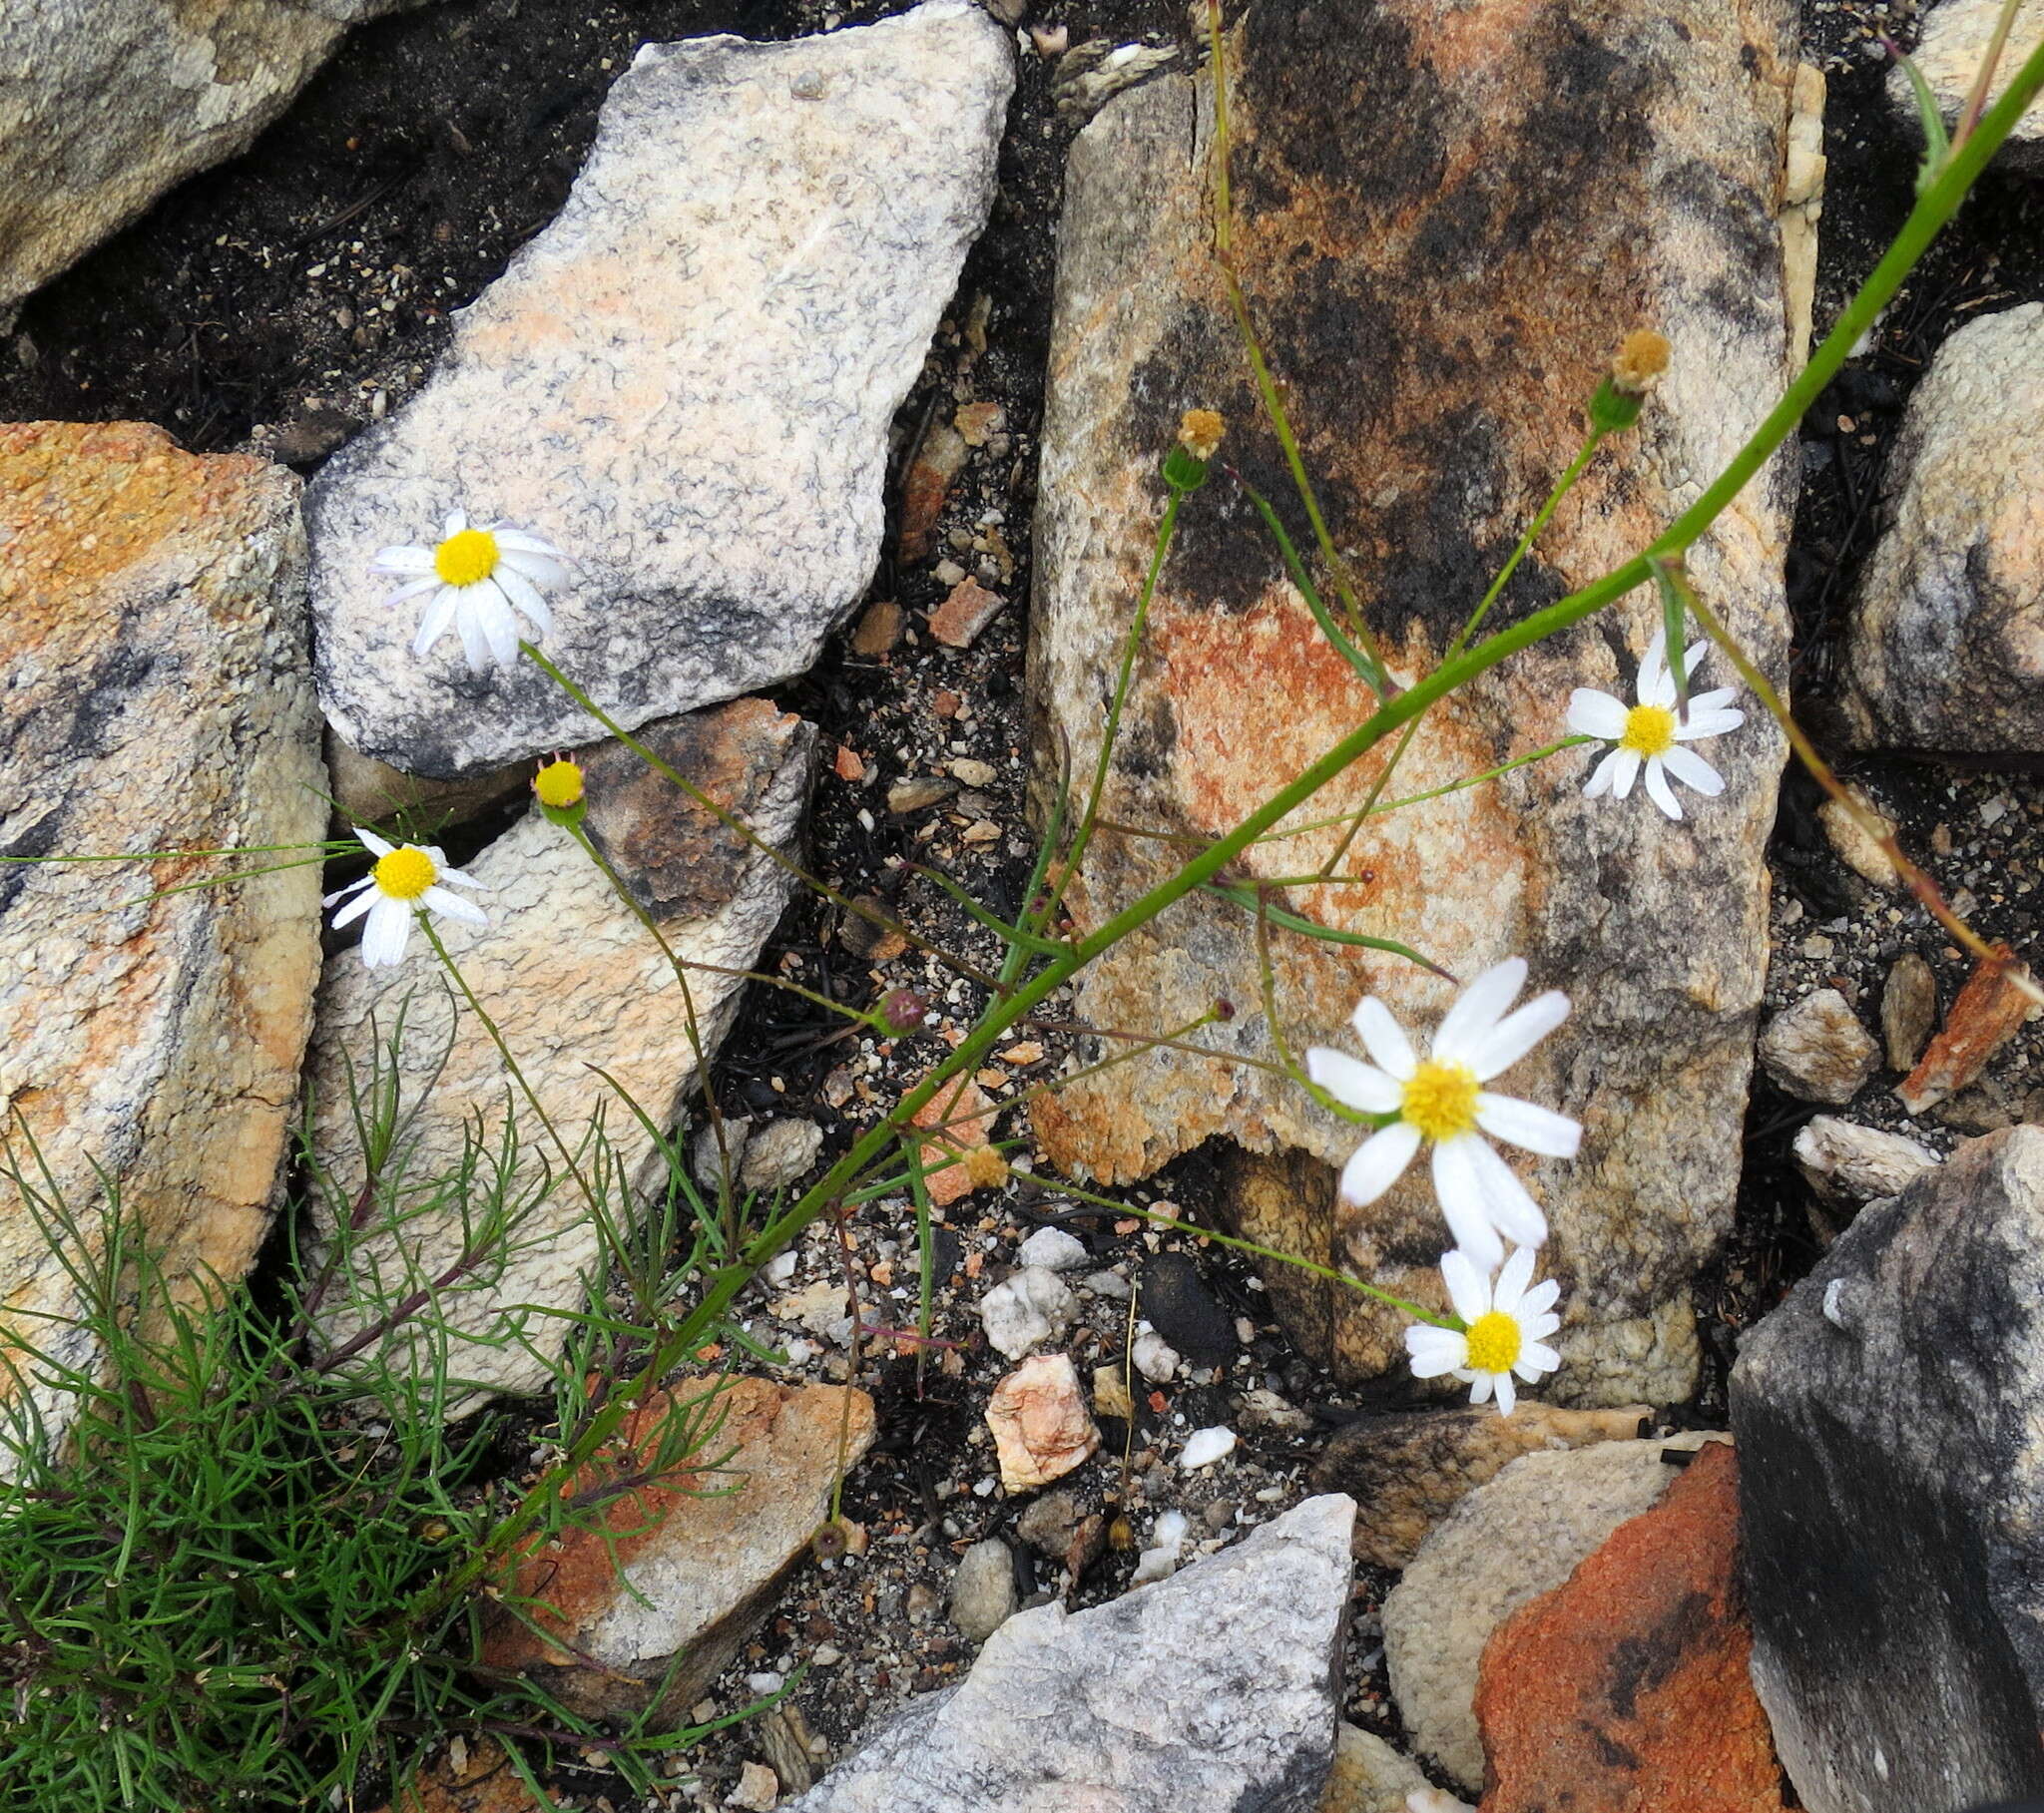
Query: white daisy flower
column 405, row 880
column 481, row 580
column 1650, row 734
column 1441, row 1100
column 1505, row 1326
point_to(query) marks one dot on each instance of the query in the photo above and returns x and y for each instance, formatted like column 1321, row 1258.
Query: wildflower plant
column 242, row 1585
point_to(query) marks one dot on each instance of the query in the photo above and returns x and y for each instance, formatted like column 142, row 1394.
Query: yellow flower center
column 1440, row 1100
column 1494, row 1342
column 558, row 784
column 1649, row 731
column 406, row 873
column 466, row 558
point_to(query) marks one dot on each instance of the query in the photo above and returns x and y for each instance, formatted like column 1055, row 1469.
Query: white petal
column 1463, row 1202
column 353, row 887
column 525, row 594
column 1352, row 1082
column 1479, row 1387
column 1652, row 674
column 1517, row 1034
column 1625, row 769
column 1528, row 1126
column 1470, row 1022
column 1510, row 1288
column 402, row 560
column 1383, row 1038
column 384, row 936
column 1539, row 1300
column 1714, row 723
column 454, row 523
column 1468, row 1286
column 1692, row 772
column 1433, row 1351
column 1595, row 713
column 355, row 908
column 455, row 906
column 410, row 591
column 499, row 624
column 1713, row 701
column 1601, row 776
column 1507, row 1393
column 373, row 843
column 438, row 615
column 474, row 643
column 460, row 877
column 1511, row 1209
column 536, row 565
column 1536, row 1357
column 1658, row 789
column 1378, row 1162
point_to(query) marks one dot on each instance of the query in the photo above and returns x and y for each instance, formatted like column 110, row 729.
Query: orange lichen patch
column 481, row 1780
column 1984, row 1019
column 81, row 501
column 966, row 1117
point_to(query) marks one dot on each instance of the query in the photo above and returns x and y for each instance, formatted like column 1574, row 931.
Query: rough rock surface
column 1370, row 1776
column 1626, row 1689
column 1409, row 1470
column 153, row 636
column 1949, row 55
column 1041, row 1427
column 1890, row 1479
column 104, row 103
column 1507, row 1542
column 698, row 1565
column 1945, row 650
column 573, row 981
column 1817, row 1050
column 1488, row 197
column 684, row 385
column 1213, row 1692
column 1849, row 1162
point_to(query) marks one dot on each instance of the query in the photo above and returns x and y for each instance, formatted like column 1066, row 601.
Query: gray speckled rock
column 1817, row 1051
column 1214, row 1692
column 1946, row 645
column 1445, row 227
column 1507, row 1542
column 685, row 382
column 1892, row 1475
column 573, row 981
column 104, row 103
column 153, row 636
column 1947, row 56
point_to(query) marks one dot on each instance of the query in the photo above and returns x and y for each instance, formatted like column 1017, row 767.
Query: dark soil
column 280, row 301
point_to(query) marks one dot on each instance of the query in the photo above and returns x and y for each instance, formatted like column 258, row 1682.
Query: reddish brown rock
column 689, row 1563
column 1448, row 216
column 937, row 462
column 967, row 1117
column 957, row 621
column 478, row 1778
column 1984, row 1019
column 1625, row 1690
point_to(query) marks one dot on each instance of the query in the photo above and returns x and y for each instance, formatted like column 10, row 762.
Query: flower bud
column 1634, row 369
column 901, row 1013
column 985, row 1167
column 1199, row 438
column 558, row 788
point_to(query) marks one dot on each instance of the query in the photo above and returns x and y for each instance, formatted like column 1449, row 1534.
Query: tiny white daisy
column 481, row 580
column 1650, row 734
column 1504, row 1328
column 405, row 880
column 1441, row 1100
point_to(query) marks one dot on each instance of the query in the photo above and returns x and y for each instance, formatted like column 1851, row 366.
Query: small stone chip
column 879, row 629
column 918, row 793
column 973, row 773
column 957, row 621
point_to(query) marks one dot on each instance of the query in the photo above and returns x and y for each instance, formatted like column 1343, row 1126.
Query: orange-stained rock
column 689, row 1563
column 481, row 1781
column 967, row 1117
column 156, row 698
column 1448, row 216
column 1042, row 1428
column 1625, row 1690
column 969, row 607
column 1984, row 1019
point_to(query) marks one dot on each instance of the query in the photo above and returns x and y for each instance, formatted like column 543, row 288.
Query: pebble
column 1107, row 1284
column 1177, row 1304
column 1041, row 1427
column 918, row 793
column 1158, row 1562
column 1156, row 1359
column 1817, row 1051
column 1203, row 1447
column 1111, row 1394
column 779, row 1153
column 1845, row 1162
column 759, row 1790
column 1050, row 1523
column 973, row 773
column 983, row 1590
column 1054, row 1250
column 1027, row 1310
column 1909, row 1010
column 958, row 620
